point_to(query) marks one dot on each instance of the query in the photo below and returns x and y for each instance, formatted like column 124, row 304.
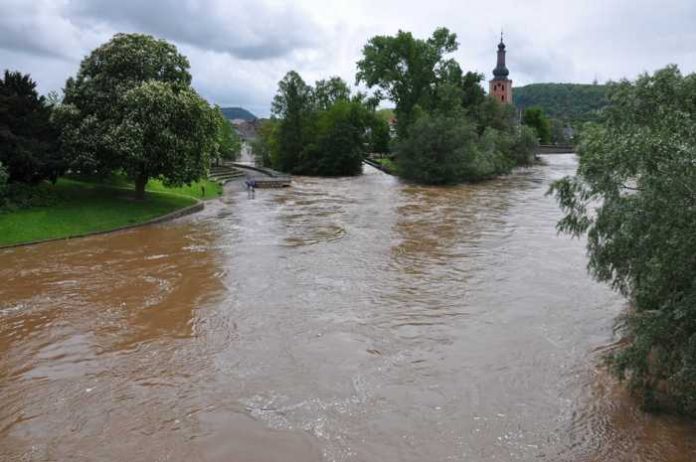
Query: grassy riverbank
column 204, row 189
column 84, row 207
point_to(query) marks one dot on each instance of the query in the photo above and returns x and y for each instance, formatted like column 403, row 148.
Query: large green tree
column 634, row 195
column 98, row 109
column 294, row 107
column 321, row 130
column 405, row 70
column 340, row 140
column 166, row 133
column 28, row 139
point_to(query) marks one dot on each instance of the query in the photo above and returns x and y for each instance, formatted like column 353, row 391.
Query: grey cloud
column 37, row 28
column 250, row 30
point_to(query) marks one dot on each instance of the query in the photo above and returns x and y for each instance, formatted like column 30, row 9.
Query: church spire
column 500, row 71
column 501, row 85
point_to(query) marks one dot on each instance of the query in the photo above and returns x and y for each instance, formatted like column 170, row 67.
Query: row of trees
column 634, row 195
column 447, row 130
column 130, row 109
column 322, row 130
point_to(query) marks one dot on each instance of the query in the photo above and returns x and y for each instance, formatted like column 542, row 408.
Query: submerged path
column 348, row 319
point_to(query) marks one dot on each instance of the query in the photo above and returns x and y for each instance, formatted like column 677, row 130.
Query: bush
column 379, row 135
column 3, row 184
column 339, row 146
column 21, row 196
column 28, row 139
column 523, row 149
column 633, row 195
column 440, row 150
column 535, row 118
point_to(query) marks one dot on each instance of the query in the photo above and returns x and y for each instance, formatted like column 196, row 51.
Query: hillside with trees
column 233, row 113
column 567, row 102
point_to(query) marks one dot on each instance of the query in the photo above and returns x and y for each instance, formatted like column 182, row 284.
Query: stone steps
column 224, row 173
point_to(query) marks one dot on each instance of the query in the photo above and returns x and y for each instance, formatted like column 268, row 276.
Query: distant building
column 501, row 86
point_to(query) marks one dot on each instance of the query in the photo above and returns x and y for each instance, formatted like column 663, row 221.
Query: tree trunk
column 140, row 183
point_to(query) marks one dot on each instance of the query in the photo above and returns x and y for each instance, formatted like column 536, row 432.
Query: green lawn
column 387, row 163
column 212, row 188
column 84, row 207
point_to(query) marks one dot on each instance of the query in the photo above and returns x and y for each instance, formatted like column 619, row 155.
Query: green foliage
column 201, row 189
column 229, row 145
column 28, row 138
column 329, row 92
column 165, row 133
column 317, row 131
column 443, row 149
column 293, row 105
column 19, row 196
column 265, row 143
column 448, row 130
column 339, row 146
column 386, row 114
column 634, row 195
column 131, row 108
column 494, row 114
column 404, row 69
column 567, row 102
column 523, row 148
column 4, row 176
column 534, row 117
column 380, row 138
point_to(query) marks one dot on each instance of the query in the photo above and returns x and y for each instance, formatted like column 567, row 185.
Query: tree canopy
column 293, row 104
column 165, row 133
column 29, row 146
column 100, row 113
column 634, row 195
column 403, row 68
column 320, row 130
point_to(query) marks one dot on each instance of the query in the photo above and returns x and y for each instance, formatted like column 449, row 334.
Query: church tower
column 500, row 86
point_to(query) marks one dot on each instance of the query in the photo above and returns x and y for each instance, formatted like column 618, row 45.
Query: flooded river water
column 353, row 319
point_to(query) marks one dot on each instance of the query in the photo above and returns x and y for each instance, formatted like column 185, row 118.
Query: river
column 351, row 319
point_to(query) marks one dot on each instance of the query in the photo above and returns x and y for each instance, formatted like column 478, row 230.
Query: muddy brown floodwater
column 353, row 319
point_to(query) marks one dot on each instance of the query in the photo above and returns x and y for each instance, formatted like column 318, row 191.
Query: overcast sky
column 239, row 49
